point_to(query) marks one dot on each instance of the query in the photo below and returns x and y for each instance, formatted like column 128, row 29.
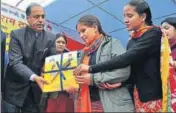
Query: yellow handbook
column 58, row 71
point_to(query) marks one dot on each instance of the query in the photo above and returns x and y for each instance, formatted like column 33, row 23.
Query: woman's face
column 169, row 30
column 132, row 19
column 60, row 44
column 88, row 34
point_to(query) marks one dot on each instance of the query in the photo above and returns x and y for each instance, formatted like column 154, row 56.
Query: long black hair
column 141, row 7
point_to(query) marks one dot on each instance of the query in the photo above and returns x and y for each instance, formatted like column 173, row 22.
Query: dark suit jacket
column 26, row 56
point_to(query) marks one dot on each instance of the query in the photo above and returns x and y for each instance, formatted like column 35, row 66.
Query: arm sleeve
column 115, row 76
column 150, row 40
column 16, row 59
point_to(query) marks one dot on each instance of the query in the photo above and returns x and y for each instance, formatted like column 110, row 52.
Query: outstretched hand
column 40, row 81
column 82, row 68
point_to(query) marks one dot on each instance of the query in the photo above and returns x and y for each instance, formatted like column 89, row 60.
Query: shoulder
column 116, row 41
column 154, row 31
column 112, row 40
column 151, row 36
column 50, row 34
column 19, row 31
column 18, row 34
column 115, row 45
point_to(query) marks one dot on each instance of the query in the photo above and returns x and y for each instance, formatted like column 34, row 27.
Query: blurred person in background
column 59, row 101
column 168, row 26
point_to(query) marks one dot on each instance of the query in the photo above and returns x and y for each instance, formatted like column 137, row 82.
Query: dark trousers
column 30, row 105
column 9, row 108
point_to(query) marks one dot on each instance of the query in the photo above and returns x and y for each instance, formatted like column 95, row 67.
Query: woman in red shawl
column 169, row 29
column 59, row 101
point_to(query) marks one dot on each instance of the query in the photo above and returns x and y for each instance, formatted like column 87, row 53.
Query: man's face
column 36, row 18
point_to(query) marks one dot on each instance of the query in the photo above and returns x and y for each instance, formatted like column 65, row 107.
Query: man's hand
column 109, row 86
column 40, row 81
column 82, row 68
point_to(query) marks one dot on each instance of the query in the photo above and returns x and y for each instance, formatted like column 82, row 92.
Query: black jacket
column 143, row 54
column 27, row 52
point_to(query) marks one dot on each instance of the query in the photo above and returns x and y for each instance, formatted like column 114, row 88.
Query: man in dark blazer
column 28, row 48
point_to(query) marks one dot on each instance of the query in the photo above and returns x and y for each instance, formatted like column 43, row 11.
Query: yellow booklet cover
column 58, row 71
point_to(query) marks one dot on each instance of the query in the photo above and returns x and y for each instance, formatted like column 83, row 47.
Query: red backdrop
column 73, row 45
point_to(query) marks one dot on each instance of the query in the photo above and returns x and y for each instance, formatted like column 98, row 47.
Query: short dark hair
column 171, row 21
column 61, row 35
column 141, row 7
column 28, row 9
column 91, row 20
